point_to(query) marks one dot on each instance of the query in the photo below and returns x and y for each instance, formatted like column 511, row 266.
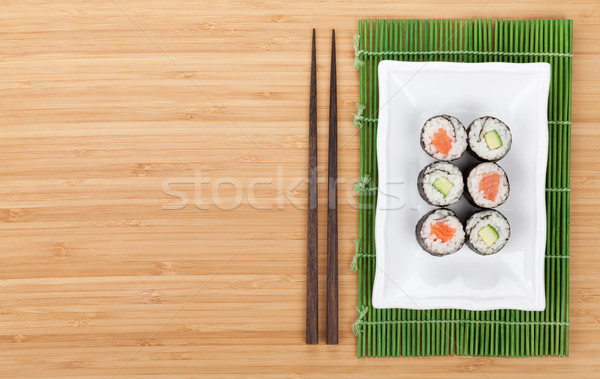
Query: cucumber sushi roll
column 489, row 138
column 487, row 232
column 440, row 183
column 487, row 185
column 440, row 233
column 444, row 138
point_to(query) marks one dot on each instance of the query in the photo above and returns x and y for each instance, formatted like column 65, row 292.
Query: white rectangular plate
column 409, row 94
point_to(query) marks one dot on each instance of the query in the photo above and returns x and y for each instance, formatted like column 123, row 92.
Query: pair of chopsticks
column 312, row 304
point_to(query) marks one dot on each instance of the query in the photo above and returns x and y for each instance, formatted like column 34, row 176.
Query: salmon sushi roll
column 487, row 232
column 487, row 185
column 440, row 183
column 444, row 138
column 440, row 232
column 489, row 138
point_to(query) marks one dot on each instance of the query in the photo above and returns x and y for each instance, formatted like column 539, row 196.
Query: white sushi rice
column 480, row 220
column 475, row 177
column 450, row 172
column 455, row 130
column 436, row 245
column 479, row 128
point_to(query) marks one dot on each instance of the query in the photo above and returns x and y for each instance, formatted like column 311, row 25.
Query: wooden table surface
column 152, row 197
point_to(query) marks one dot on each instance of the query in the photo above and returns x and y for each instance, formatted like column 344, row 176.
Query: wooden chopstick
column 312, row 274
column 332, row 225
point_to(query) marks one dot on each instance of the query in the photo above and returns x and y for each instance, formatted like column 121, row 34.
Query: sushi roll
column 489, row 138
column 444, row 138
column 440, row 183
column 487, row 185
column 440, row 233
column 487, row 232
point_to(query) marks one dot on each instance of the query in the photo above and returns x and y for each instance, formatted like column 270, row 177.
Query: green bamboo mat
column 404, row 332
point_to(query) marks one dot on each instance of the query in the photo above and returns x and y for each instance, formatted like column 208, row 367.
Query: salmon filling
column 488, row 185
column 442, row 231
column 441, row 141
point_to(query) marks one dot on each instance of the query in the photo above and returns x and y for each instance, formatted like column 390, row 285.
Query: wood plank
column 107, row 111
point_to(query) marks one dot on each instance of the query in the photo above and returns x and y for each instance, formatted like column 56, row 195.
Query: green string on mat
column 358, row 63
column 462, row 52
column 358, row 253
column 364, row 185
column 354, row 264
column 357, row 326
column 359, row 118
column 360, row 322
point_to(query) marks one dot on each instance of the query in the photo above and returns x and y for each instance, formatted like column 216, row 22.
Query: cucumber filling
column 493, row 140
column 443, row 185
column 488, row 235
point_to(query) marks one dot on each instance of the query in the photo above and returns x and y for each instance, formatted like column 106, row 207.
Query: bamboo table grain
column 152, row 193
